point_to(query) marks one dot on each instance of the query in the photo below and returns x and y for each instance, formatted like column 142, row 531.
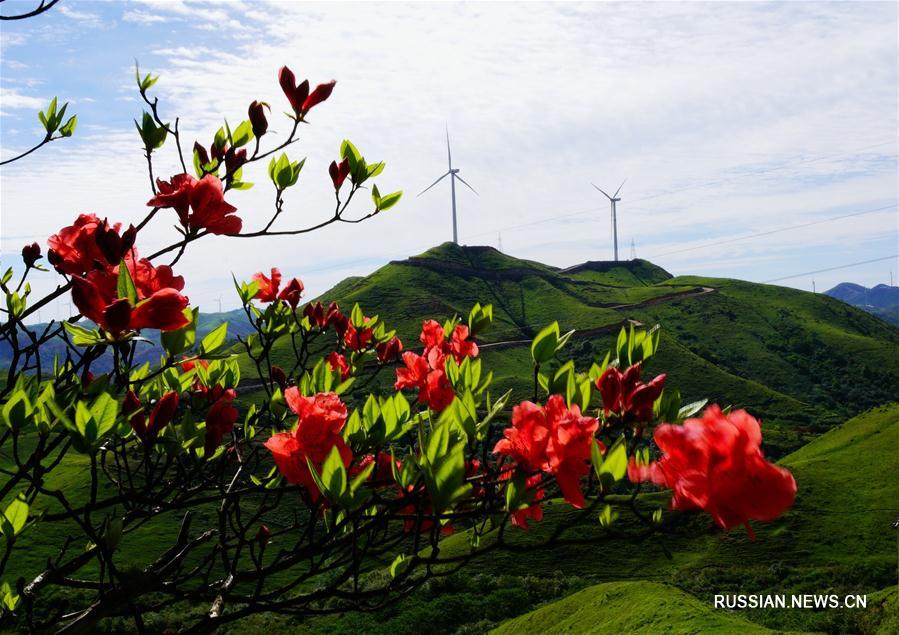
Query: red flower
column 338, row 362
column 431, row 334
column 268, row 287
column 460, row 346
column 296, row 95
column 256, row 113
column 716, row 464
column 626, row 396
column 219, row 421
column 534, row 511
column 556, row 439
column 202, row 155
column 291, row 292
column 96, row 297
column 190, row 364
column 199, row 204
column 149, row 279
column 387, row 351
column 429, row 377
column 31, row 254
column 320, row 421
column 299, row 97
column 357, row 339
column 161, row 415
column 316, row 314
column 338, row 320
column 74, row 249
column 339, row 172
column 319, row 94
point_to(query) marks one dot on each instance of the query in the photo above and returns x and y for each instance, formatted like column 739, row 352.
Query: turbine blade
column 466, row 184
column 601, row 190
column 619, row 188
column 433, row 184
column 449, row 156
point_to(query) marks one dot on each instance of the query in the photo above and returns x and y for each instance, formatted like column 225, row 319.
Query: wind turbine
column 613, row 199
column 454, row 174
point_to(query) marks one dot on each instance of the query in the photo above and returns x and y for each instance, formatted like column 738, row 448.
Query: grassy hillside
column 629, row 607
column 801, row 362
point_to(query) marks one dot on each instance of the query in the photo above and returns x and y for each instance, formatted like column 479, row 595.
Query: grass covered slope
column 628, row 607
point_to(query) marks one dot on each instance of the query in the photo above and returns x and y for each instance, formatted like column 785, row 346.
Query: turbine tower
column 453, row 173
column 613, row 199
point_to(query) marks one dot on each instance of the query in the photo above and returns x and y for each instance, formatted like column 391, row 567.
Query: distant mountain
column 882, row 300
column 151, row 351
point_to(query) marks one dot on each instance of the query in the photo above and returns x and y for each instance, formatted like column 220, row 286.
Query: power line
column 772, row 231
column 846, row 266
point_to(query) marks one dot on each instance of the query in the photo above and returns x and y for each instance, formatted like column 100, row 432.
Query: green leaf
column 544, row 345
column 214, row 339
column 15, row 515
column 389, row 200
column 17, row 410
column 614, row 464
column 607, row 516
column 242, row 135
column 397, row 565
column 69, row 128
column 125, row 285
column 177, row 342
column 82, row 336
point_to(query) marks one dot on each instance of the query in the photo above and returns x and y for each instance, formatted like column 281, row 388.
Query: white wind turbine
column 454, row 174
column 613, row 199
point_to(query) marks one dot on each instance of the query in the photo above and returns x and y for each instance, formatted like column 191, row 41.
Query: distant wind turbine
column 454, row 173
column 613, row 199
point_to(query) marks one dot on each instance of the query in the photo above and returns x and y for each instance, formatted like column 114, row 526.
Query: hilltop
column 802, row 362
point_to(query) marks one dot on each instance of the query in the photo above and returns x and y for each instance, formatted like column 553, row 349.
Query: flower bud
column 31, row 254
column 256, row 113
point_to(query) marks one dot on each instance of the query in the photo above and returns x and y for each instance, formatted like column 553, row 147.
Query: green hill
column 629, row 607
column 801, row 362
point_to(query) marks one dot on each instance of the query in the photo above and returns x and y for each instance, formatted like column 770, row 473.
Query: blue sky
column 727, row 119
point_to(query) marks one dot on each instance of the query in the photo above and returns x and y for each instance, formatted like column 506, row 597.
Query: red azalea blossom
column 716, row 464
column 190, row 364
column 357, row 339
column 339, row 172
column 626, row 396
column 199, row 204
column 433, row 386
column 75, row 250
column 320, row 419
column 160, row 416
column 157, row 307
column 387, row 351
column 268, row 287
column 316, row 314
column 301, row 100
column 555, row 439
column 338, row 362
column 291, row 292
column 220, row 420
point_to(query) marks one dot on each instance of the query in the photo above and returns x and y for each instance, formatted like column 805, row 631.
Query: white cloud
column 726, row 118
column 14, row 100
column 82, row 17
